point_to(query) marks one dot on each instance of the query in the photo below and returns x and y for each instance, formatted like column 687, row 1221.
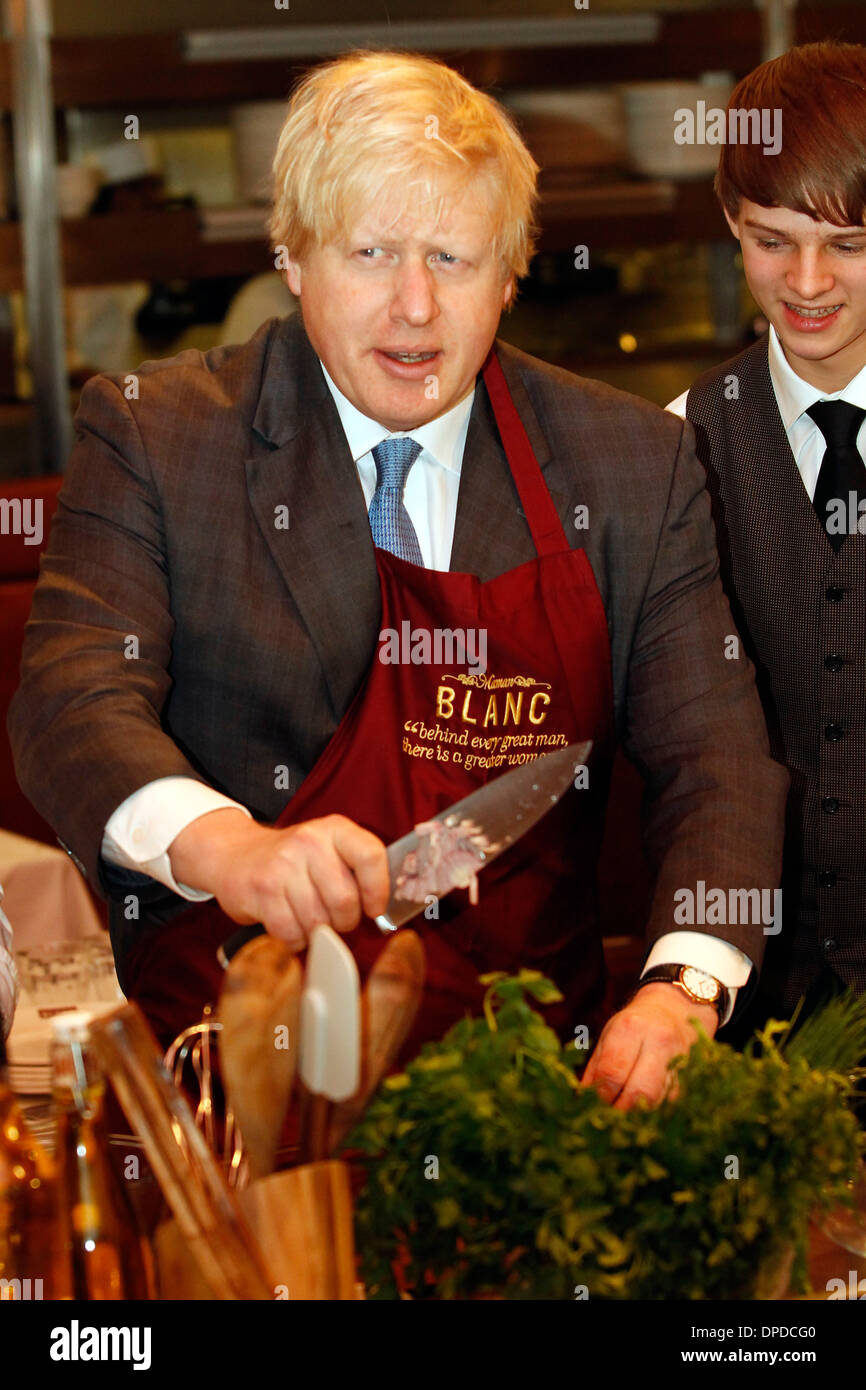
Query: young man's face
column 809, row 280
column 416, row 287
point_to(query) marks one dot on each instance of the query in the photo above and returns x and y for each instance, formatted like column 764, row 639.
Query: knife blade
column 503, row 810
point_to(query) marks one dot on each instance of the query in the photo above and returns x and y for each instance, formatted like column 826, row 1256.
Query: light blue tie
column 389, row 520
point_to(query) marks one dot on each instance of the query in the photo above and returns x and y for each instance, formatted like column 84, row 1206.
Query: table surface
column 44, row 895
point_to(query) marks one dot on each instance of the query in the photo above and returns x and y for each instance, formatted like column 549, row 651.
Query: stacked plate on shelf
column 256, row 127
column 580, row 130
column 652, row 119
column 56, row 978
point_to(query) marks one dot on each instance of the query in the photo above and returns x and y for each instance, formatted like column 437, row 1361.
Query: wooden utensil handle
column 315, row 1118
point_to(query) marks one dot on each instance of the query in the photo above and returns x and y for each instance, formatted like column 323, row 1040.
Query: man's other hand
column 631, row 1057
column 326, row 870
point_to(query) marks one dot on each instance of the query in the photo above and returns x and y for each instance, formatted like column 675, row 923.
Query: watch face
column 700, row 985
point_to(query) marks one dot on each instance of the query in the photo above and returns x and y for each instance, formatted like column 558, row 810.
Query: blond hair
column 376, row 127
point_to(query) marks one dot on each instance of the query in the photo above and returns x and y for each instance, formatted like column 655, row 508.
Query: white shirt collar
column 442, row 438
column 795, row 395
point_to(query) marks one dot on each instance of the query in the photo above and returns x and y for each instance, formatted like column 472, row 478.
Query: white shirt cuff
column 718, row 958
column 139, row 832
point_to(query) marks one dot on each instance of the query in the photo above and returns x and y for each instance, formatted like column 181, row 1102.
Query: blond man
column 260, row 515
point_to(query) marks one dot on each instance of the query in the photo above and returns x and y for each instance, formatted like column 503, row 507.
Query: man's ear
column 731, row 223
column 293, row 277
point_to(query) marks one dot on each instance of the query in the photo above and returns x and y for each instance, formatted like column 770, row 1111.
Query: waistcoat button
column 833, row 733
column 834, row 662
column 833, row 595
column 827, row 879
column 830, row 805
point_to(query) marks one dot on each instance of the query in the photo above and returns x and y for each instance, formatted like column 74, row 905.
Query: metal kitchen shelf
column 163, row 245
column 668, row 39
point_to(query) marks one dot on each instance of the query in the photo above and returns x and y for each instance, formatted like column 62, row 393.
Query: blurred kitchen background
column 136, row 140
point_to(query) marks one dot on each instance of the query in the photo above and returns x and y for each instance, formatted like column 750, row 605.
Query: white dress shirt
column 794, row 397
column 139, row 832
column 430, row 495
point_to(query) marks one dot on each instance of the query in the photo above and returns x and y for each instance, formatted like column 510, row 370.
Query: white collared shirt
column 794, row 397
column 430, row 496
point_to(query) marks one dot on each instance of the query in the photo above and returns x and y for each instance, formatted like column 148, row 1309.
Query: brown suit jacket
column 252, row 637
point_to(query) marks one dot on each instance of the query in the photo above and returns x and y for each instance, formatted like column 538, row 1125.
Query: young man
column 781, row 430
column 238, row 536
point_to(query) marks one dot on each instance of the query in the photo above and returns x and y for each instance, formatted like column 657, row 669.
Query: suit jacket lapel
column 301, row 463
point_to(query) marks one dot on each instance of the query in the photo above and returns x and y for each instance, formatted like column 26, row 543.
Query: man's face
column 428, row 289
column 809, row 279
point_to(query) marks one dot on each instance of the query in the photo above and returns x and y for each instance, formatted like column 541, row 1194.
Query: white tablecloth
column 44, row 895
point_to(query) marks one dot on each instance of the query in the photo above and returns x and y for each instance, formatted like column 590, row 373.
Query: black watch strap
column 687, row 977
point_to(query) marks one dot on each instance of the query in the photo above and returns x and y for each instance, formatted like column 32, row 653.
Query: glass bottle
column 31, row 1266
column 107, row 1256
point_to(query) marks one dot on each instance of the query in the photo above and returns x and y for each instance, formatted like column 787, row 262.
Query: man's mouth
column 805, row 313
column 411, row 356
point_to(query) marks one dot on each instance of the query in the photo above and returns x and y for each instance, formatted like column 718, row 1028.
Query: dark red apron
column 419, row 736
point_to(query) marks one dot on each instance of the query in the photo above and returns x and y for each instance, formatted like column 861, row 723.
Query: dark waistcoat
column 801, row 612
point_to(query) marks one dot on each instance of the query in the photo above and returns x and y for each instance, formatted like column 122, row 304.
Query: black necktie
column 842, row 468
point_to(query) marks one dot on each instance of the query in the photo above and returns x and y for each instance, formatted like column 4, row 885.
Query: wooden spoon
column 258, row 1010
column 389, row 1004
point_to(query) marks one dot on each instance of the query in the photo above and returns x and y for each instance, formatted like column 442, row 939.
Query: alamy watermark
column 846, row 516
column 77, row 1343
column 439, row 646
column 737, row 126
column 22, row 516
column 719, row 907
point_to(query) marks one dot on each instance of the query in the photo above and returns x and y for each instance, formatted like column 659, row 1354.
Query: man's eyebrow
column 762, row 227
column 847, row 232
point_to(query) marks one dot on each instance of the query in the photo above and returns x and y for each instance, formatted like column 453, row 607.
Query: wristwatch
column 697, row 984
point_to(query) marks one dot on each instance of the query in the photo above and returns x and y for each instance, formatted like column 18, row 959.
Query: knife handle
column 238, row 939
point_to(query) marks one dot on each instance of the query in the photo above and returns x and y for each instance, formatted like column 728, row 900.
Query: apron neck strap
column 547, row 530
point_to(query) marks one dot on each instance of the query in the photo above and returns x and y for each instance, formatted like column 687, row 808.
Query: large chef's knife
column 503, row 810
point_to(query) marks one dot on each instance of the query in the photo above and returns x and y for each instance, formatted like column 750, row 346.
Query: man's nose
column 414, row 293
column 810, row 275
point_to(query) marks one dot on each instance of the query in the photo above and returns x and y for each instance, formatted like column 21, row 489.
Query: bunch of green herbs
column 492, row 1171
